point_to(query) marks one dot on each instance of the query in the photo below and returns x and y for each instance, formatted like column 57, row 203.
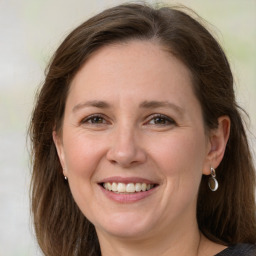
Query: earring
column 212, row 182
column 65, row 177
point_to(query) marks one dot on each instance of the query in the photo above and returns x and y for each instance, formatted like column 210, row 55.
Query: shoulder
column 239, row 250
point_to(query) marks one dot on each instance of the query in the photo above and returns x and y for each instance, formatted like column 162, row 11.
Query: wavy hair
column 226, row 216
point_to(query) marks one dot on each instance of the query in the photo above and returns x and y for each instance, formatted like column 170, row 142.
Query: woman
column 138, row 144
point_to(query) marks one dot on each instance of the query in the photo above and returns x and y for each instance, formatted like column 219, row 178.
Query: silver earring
column 65, row 177
column 212, row 182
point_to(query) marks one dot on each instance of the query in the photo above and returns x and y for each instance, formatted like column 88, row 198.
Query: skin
column 128, row 138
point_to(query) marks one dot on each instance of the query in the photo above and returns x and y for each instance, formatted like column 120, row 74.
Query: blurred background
column 30, row 31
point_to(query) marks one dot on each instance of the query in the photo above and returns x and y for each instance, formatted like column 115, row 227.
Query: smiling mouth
column 129, row 188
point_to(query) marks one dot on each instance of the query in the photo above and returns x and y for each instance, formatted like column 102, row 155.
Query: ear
column 218, row 139
column 60, row 150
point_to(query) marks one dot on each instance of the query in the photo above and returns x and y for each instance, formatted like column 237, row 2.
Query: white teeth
column 114, row 187
column 109, row 186
column 127, row 188
column 138, row 187
column 130, row 188
column 121, row 187
column 144, row 187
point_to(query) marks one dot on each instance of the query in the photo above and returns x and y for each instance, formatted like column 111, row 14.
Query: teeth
column 130, row 188
column 109, row 186
column 127, row 188
column 120, row 187
column 138, row 187
column 114, row 187
column 144, row 187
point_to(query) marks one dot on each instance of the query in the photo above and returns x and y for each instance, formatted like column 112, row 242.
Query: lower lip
column 127, row 198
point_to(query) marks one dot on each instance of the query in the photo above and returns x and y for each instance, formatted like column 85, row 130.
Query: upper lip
column 126, row 180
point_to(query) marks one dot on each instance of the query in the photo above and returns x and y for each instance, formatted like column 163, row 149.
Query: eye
column 94, row 119
column 161, row 120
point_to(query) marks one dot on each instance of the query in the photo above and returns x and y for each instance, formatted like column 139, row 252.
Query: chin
column 126, row 225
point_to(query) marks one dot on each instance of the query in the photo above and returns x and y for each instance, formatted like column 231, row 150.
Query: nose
column 125, row 149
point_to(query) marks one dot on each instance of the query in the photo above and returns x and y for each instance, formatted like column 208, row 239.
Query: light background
column 30, row 31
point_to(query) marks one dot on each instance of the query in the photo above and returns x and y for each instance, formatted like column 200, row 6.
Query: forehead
column 136, row 65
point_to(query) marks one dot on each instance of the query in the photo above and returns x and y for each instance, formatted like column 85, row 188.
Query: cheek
column 82, row 155
column 181, row 153
column 181, row 158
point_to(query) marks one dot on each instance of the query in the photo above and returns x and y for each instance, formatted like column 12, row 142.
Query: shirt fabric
column 239, row 250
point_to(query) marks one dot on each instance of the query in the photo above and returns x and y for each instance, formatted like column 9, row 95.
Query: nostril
column 112, row 161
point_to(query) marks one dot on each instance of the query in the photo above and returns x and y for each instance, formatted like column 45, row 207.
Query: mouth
column 127, row 188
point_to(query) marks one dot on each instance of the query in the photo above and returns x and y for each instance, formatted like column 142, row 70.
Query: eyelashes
column 160, row 119
column 151, row 120
column 95, row 119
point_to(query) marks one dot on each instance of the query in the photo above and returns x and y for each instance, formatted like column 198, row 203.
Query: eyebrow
column 92, row 103
column 160, row 104
column 145, row 104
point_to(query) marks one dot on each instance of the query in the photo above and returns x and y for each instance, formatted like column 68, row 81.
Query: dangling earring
column 212, row 182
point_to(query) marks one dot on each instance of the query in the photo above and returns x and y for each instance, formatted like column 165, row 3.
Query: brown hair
column 226, row 216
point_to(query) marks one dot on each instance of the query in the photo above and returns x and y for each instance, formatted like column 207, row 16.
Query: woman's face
column 133, row 144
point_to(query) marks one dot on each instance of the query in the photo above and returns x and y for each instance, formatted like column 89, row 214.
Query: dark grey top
column 239, row 250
